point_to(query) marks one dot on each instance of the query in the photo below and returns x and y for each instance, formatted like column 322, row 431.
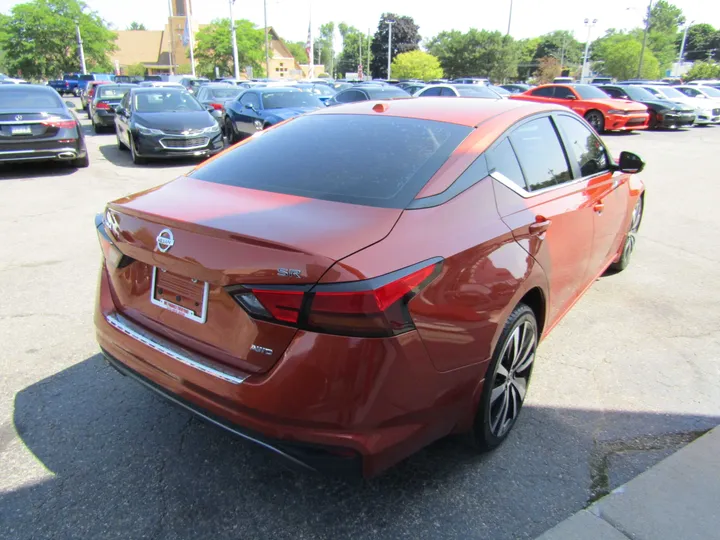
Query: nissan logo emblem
column 165, row 240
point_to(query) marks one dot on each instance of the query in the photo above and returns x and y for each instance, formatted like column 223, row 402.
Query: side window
column 251, row 99
column 126, row 102
column 689, row 92
column 545, row 91
column 584, row 146
column 563, row 92
column 350, row 96
column 448, row 92
column 613, row 92
column 502, row 159
column 540, row 154
column 434, row 91
column 201, row 94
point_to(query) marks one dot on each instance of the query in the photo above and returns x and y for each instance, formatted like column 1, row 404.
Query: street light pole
column 233, row 36
column 510, row 18
column 82, row 51
column 590, row 25
column 267, row 46
column 188, row 21
column 644, row 42
column 684, row 39
column 389, row 23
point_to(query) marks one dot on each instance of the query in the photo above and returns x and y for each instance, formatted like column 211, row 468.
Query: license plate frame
column 21, row 130
column 178, row 309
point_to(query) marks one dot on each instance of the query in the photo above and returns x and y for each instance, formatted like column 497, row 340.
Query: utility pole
column 233, row 36
column 644, row 43
column 562, row 53
column 82, row 51
column 389, row 23
column 587, row 49
column 684, row 39
column 509, row 18
column 172, row 41
column 368, row 52
column 267, row 46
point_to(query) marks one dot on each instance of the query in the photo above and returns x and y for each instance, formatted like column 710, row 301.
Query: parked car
column 367, row 92
column 705, row 82
column 36, row 125
column 412, row 88
column 516, row 88
column 321, row 91
column 701, row 92
column 83, row 81
column 663, row 112
column 72, row 79
column 87, row 95
column 500, row 90
column 602, row 112
column 470, row 80
column 563, row 80
column 601, row 80
column 706, row 111
column 61, row 86
column 106, row 100
column 257, row 109
column 165, row 123
column 161, row 84
column 323, row 291
column 458, row 90
column 213, row 98
column 191, row 84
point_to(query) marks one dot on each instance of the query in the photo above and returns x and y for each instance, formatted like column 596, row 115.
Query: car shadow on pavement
column 121, row 158
column 32, row 171
column 119, row 462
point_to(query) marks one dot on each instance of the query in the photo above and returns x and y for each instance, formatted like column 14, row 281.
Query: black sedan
column 366, row 93
column 165, row 123
column 213, row 97
column 663, row 112
column 102, row 107
column 516, row 88
column 35, row 125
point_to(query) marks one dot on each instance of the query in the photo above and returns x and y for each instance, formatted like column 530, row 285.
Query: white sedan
column 702, row 92
column 458, row 90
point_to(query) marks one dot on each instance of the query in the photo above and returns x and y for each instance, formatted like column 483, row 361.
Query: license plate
column 21, row 130
column 181, row 295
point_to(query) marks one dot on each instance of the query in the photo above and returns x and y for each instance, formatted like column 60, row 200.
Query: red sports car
column 600, row 110
column 349, row 286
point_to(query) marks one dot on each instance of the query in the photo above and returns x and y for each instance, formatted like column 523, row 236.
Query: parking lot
column 628, row 377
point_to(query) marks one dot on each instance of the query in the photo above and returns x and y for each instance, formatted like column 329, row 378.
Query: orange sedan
column 600, row 111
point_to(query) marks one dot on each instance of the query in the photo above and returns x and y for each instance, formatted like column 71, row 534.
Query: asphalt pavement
column 627, row 378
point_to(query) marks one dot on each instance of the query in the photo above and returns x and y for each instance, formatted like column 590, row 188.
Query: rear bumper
column 104, row 118
column 332, row 403
column 61, row 153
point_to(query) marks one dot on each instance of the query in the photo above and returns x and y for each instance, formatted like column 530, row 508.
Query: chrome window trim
column 163, row 346
column 500, row 177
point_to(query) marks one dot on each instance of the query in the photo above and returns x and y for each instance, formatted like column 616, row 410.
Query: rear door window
column 541, row 154
column 368, row 160
column 435, row 91
column 545, row 91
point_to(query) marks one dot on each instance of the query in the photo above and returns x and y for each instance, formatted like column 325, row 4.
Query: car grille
column 195, row 142
column 183, row 131
column 636, row 121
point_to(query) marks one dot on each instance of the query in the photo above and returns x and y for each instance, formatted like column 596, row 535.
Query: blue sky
column 291, row 17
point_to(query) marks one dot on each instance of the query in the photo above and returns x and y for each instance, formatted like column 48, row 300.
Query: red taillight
column 217, row 106
column 91, row 92
column 371, row 308
column 102, row 105
column 60, row 124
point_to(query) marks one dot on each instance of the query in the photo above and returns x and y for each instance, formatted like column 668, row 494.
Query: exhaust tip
column 66, row 155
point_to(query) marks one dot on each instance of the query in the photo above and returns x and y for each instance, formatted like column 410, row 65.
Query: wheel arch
column 535, row 300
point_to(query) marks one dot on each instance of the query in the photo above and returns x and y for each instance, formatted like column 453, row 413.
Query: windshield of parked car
column 110, row 92
column 380, row 161
column 710, row 91
column 281, row 100
column 585, row 91
column 476, row 91
column 638, row 94
column 224, row 93
column 29, row 99
column 671, row 93
column 318, row 90
column 165, row 100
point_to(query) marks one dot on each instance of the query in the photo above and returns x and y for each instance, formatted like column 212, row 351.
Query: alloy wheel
column 596, row 120
column 634, row 227
column 512, row 377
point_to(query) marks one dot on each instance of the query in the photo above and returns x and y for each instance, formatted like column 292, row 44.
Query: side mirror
column 210, row 108
column 251, row 107
column 630, row 163
column 120, row 110
column 570, row 96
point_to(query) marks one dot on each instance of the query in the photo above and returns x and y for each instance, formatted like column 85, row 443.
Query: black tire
column 630, row 238
column 507, row 380
column 96, row 129
column 81, row 163
column 596, row 120
column 120, row 144
column 137, row 160
column 230, row 132
column 653, row 123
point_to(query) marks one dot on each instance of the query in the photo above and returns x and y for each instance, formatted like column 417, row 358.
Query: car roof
column 464, row 111
column 26, row 87
column 273, row 89
column 153, row 89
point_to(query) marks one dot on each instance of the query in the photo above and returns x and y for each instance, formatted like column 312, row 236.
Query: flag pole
column 190, row 35
column 311, row 71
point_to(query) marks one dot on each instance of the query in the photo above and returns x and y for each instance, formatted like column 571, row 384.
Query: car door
column 247, row 113
column 608, row 191
column 547, row 209
column 122, row 120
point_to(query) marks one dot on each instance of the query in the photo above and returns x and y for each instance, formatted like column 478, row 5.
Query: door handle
column 540, row 226
column 599, row 207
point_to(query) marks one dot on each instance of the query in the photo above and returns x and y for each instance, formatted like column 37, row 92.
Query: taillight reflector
column 282, row 305
column 61, row 124
column 102, row 105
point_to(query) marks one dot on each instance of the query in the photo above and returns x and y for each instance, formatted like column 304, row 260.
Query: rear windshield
column 384, row 92
column 87, row 78
column 30, row 99
column 477, row 91
column 225, row 93
column 109, row 92
column 380, row 161
column 281, row 100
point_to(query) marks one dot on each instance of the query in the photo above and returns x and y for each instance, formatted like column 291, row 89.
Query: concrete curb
column 677, row 498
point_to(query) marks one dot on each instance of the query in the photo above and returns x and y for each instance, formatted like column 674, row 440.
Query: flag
column 308, row 44
column 186, row 33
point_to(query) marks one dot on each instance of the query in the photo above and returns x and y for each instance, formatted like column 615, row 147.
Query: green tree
column 297, row 49
column 476, row 53
column 323, row 46
column 41, row 36
column 703, row 70
column 700, row 41
column 349, row 59
column 621, row 57
column 213, row 47
column 527, row 57
column 136, row 26
column 405, row 38
column 549, row 67
column 416, row 65
column 136, row 70
column 561, row 45
column 665, row 22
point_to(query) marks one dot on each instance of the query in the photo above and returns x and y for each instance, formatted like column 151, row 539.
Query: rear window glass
column 281, row 100
column 225, row 93
column 385, row 93
column 368, row 160
column 105, row 92
column 30, row 99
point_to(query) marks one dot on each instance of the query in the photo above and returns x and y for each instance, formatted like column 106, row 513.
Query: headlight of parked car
column 616, row 111
column 212, row 129
column 148, row 131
